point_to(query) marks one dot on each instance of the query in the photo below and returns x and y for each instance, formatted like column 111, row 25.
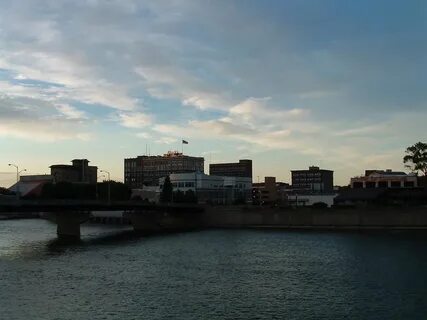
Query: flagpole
column 182, row 145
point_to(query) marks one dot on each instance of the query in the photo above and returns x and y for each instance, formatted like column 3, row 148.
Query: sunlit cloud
column 134, row 119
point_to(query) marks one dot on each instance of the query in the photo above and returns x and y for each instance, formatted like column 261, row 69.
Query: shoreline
column 19, row 216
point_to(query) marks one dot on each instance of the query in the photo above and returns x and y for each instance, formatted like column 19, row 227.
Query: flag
column 184, row 142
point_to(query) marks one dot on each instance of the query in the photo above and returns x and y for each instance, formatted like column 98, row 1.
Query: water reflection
column 36, row 239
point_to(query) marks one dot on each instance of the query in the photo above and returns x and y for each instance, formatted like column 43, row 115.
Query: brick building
column 147, row 170
column 243, row 168
column 78, row 172
column 269, row 192
column 313, row 180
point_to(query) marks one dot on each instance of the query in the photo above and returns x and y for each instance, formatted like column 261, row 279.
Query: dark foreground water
column 216, row 274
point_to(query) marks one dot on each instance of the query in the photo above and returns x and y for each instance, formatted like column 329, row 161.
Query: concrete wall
column 234, row 217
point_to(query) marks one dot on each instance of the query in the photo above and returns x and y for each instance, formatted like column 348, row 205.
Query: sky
column 336, row 83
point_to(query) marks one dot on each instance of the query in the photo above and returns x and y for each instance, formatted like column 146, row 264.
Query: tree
column 190, row 196
column 167, row 191
column 416, row 157
column 6, row 192
column 319, row 205
column 178, row 197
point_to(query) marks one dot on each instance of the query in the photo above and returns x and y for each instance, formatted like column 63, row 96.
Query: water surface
column 215, row 274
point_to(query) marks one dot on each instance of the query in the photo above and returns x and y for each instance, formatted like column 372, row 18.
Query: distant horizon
column 287, row 84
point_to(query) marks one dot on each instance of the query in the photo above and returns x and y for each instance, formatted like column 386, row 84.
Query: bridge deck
column 55, row 206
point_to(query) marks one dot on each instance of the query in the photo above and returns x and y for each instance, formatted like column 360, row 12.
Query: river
column 214, row 274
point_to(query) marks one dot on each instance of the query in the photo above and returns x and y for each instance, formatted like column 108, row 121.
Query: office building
column 212, row 189
column 78, row 172
column 147, row 170
column 243, row 168
column 313, row 180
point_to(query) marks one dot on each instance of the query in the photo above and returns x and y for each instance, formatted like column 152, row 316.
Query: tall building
column 147, row 170
column 78, row 172
column 243, row 168
column 313, row 180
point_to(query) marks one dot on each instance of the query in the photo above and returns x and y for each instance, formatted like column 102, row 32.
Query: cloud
column 38, row 120
column 134, row 119
column 42, row 131
column 144, row 135
column 337, row 90
column 172, row 82
column 251, row 121
column 70, row 112
column 167, row 140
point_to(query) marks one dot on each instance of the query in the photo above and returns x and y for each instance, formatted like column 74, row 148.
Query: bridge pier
column 68, row 223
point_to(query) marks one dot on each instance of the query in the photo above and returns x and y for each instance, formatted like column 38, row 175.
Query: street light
column 17, row 178
column 109, row 184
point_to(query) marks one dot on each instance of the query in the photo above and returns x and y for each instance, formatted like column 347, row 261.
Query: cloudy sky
column 340, row 84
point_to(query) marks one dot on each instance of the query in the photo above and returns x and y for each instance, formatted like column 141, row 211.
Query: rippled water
column 214, row 274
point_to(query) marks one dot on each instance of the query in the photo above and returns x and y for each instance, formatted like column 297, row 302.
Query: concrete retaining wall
column 236, row 217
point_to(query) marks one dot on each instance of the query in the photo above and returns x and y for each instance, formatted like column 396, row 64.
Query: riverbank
column 18, row 215
column 307, row 218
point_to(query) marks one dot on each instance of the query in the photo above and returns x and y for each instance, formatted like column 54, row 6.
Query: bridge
column 145, row 217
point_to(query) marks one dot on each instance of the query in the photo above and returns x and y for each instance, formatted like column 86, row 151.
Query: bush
column 319, row 205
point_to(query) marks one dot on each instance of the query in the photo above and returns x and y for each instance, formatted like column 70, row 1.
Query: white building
column 213, row 189
column 381, row 179
column 148, row 193
column 300, row 200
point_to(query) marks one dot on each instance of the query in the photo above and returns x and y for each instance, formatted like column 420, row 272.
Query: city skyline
column 334, row 84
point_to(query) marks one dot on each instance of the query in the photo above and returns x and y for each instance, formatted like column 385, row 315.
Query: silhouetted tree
column 178, row 196
column 167, row 191
column 119, row 191
column 84, row 191
column 6, row 191
column 190, row 197
column 319, row 205
column 184, row 197
column 416, row 157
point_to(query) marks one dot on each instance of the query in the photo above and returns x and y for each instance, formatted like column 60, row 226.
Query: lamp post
column 109, row 184
column 17, row 178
